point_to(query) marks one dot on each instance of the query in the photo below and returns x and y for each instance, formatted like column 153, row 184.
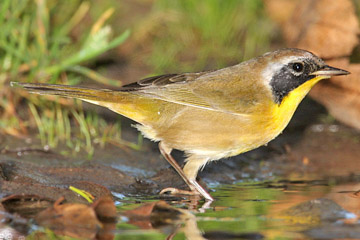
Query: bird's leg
column 191, row 169
column 166, row 152
column 188, row 175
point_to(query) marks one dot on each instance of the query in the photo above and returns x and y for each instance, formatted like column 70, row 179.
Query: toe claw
column 175, row 191
column 169, row 190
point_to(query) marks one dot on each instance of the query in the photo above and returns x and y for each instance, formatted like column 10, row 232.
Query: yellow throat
column 284, row 111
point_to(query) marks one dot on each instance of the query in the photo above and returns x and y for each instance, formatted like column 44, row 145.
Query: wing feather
column 220, row 90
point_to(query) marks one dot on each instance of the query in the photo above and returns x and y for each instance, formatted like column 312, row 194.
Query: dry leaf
column 25, row 205
column 343, row 104
column 105, row 209
column 70, row 219
column 328, row 28
column 280, row 10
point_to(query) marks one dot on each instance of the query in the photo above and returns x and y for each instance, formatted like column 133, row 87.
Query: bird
column 210, row 115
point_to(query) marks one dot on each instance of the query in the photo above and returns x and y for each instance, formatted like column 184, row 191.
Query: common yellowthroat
column 213, row 114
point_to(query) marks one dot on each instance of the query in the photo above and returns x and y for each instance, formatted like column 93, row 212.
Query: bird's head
column 285, row 70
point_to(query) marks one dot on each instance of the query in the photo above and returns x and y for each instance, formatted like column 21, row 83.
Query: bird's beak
column 330, row 71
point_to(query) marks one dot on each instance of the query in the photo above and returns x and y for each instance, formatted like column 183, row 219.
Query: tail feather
column 124, row 103
column 83, row 93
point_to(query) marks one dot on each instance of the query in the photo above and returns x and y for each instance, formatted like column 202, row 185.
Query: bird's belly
column 216, row 134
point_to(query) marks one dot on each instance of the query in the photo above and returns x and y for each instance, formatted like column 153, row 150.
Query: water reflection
column 287, row 210
column 169, row 220
column 263, row 210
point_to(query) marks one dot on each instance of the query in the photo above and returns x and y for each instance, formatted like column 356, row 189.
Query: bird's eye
column 298, row 67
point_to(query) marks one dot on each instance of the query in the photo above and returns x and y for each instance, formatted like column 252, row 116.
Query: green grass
column 196, row 35
column 37, row 43
column 55, row 127
column 40, row 42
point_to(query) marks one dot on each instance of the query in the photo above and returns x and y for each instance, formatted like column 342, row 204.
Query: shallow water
column 262, row 210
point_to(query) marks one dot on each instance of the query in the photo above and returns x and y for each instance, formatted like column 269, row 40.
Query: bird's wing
column 171, row 88
column 162, row 80
column 212, row 90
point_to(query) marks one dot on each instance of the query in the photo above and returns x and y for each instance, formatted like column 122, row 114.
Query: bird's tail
column 122, row 102
column 87, row 94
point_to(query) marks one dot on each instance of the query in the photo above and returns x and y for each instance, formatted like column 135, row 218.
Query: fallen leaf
column 70, row 219
column 105, row 209
column 25, row 205
column 280, row 11
column 106, row 212
column 141, row 216
column 343, row 104
column 328, row 28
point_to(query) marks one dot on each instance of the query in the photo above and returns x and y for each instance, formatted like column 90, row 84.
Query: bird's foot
column 194, row 195
column 175, row 191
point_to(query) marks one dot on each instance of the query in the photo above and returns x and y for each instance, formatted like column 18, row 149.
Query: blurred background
column 110, row 43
